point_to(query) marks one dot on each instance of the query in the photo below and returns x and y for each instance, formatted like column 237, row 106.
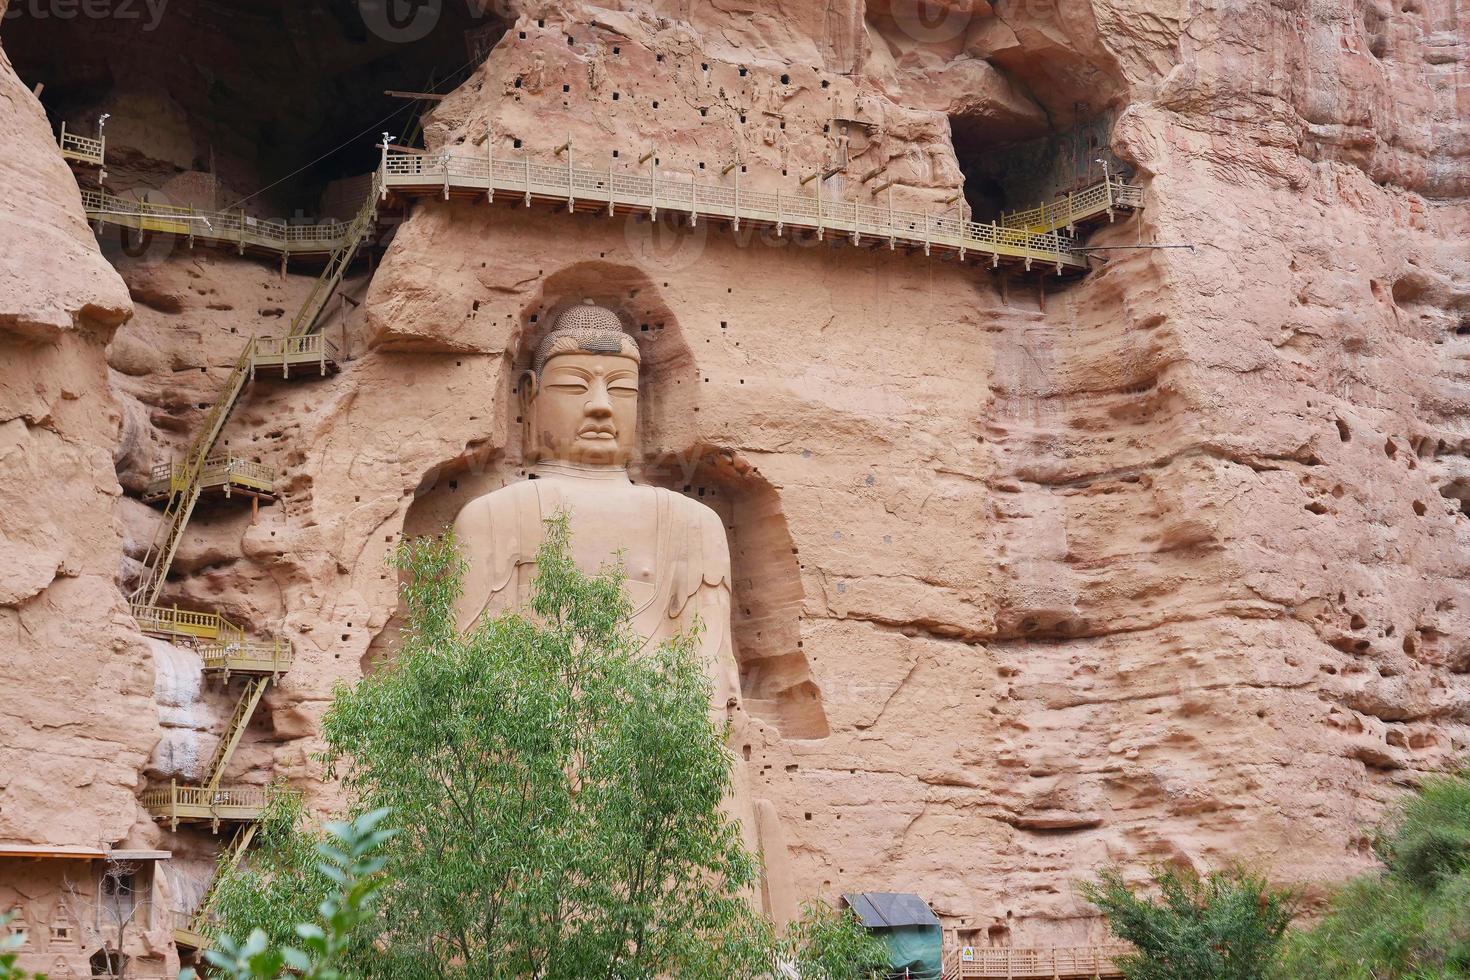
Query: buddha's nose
column 599, row 404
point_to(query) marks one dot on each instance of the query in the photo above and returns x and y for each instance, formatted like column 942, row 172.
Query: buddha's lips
column 598, row 432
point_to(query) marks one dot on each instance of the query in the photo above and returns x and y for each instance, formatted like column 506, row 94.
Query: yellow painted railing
column 202, row 797
column 83, row 149
column 218, row 471
column 221, row 797
column 1074, row 209
column 233, row 227
column 175, row 803
column 415, row 172
column 1035, row 963
column 288, row 352
column 173, row 621
column 247, row 657
column 188, row 928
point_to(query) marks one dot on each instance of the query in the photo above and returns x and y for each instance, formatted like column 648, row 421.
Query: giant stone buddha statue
column 579, row 404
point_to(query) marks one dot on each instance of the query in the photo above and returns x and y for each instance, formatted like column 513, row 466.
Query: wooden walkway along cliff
column 1035, row 963
column 1038, row 235
column 234, row 229
column 451, row 173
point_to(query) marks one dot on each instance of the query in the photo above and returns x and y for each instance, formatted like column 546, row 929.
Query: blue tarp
column 910, row 928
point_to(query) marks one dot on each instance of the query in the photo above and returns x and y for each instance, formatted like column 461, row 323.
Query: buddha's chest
column 612, row 521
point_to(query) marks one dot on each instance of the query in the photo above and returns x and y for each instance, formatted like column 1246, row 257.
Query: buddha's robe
column 677, row 562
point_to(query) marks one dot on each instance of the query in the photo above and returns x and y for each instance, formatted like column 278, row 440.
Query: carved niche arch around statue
column 775, row 678
column 776, row 681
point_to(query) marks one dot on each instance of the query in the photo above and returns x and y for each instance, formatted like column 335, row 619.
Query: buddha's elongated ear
column 527, row 385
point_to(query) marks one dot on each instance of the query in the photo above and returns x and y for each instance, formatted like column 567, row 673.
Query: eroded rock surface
column 1168, row 563
column 76, row 713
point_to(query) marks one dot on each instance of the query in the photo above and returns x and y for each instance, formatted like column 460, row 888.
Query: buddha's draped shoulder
column 700, row 550
column 500, row 533
column 497, row 534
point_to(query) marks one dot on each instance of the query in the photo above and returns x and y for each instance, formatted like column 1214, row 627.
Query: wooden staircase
column 300, row 346
column 235, row 728
column 190, row 928
column 225, row 650
column 331, row 275
column 185, row 490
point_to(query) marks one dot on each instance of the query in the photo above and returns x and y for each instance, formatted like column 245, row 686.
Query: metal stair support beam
column 194, row 933
column 160, row 554
column 331, row 276
column 235, row 730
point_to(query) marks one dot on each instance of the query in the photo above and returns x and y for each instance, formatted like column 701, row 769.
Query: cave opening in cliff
column 207, row 102
column 1004, row 173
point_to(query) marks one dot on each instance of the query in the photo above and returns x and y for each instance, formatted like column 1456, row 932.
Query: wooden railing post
column 571, row 186
column 891, row 237
column 819, row 205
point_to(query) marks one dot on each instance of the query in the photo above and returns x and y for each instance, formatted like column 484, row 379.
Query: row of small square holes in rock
column 703, row 65
column 703, row 111
column 516, row 144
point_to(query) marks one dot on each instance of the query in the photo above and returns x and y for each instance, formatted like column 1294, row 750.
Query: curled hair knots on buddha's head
column 584, row 329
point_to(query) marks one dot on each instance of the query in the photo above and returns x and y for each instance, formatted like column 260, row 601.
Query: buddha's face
column 585, row 409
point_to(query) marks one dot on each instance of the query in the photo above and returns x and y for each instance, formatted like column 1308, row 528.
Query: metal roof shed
column 908, row 925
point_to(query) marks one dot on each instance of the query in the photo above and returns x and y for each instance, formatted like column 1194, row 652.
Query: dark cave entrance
column 209, row 101
column 1008, row 174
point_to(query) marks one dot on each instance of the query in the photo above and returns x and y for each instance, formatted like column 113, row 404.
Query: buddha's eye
column 622, row 391
column 569, row 387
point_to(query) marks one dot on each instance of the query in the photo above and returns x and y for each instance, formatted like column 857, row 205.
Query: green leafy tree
column 557, row 789
column 1226, row 926
column 1410, row 921
column 831, row 944
column 281, row 884
column 348, row 860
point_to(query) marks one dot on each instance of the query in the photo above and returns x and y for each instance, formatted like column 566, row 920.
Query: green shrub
column 831, row 944
column 1410, row 921
column 1226, row 926
column 557, row 789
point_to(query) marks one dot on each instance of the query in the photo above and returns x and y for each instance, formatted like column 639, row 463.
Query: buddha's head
column 580, row 398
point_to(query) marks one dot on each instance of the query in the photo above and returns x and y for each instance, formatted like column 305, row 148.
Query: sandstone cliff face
column 1168, row 563
column 76, row 718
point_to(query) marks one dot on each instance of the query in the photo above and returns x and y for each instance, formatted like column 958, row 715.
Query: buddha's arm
column 715, row 647
column 473, row 532
column 711, row 601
